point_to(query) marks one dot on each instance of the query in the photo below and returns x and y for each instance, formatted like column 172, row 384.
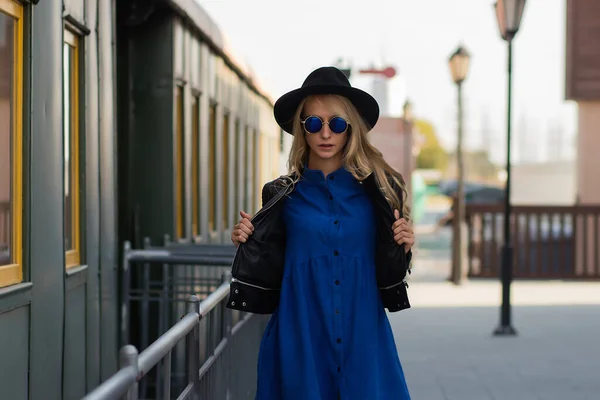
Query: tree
column 432, row 154
column 477, row 165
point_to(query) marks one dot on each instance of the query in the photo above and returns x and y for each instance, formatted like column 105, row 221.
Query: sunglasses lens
column 338, row 125
column 313, row 124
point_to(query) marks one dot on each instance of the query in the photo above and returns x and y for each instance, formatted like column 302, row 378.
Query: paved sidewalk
column 448, row 351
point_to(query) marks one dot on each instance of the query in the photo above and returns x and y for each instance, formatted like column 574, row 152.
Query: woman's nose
column 325, row 131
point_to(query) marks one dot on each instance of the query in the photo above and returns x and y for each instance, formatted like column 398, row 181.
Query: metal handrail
column 173, row 257
column 134, row 366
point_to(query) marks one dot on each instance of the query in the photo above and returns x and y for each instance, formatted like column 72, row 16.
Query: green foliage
column 432, row 154
column 478, row 165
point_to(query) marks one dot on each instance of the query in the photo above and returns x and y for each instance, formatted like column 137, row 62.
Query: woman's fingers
column 401, row 226
column 241, row 236
column 242, row 230
column 403, row 233
column 246, row 220
column 241, row 227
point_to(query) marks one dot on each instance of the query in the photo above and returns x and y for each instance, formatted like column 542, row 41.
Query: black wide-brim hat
column 325, row 80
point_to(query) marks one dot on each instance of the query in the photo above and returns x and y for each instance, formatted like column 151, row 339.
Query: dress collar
column 316, row 175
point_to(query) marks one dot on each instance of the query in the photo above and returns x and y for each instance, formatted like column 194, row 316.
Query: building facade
column 394, row 138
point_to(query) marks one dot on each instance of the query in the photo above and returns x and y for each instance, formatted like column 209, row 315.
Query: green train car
column 119, row 120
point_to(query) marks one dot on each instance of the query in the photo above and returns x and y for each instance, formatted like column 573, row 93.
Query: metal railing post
column 126, row 283
column 128, row 357
column 193, row 348
column 144, row 317
column 227, row 315
column 227, row 327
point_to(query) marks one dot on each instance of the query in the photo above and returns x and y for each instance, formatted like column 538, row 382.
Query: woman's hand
column 403, row 233
column 243, row 230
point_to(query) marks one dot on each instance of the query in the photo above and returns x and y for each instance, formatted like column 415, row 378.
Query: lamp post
column 508, row 15
column 459, row 66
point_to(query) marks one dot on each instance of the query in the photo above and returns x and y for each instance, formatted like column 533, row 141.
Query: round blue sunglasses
column 314, row 124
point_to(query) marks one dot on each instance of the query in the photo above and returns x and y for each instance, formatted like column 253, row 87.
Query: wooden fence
column 549, row 242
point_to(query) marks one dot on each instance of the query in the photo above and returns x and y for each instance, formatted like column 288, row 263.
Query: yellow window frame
column 257, row 156
column 236, row 169
column 13, row 273
column 73, row 255
column 179, row 142
column 195, row 166
column 247, row 202
column 225, row 171
column 212, row 165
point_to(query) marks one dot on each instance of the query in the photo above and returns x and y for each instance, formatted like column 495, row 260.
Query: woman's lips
column 326, row 146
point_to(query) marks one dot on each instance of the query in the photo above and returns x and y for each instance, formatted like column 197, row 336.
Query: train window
column 225, row 171
column 237, row 156
column 71, row 147
column 274, row 159
column 248, row 172
column 255, row 191
column 179, row 163
column 11, row 148
column 196, row 166
column 262, row 163
column 212, row 176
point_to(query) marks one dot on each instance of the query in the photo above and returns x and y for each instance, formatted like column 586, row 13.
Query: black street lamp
column 459, row 67
column 508, row 14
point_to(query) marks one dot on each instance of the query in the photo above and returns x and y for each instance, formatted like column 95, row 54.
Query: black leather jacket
column 257, row 269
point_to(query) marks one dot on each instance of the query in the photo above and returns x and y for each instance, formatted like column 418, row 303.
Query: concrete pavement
column 448, row 351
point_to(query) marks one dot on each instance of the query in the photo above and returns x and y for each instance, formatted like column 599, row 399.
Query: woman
column 327, row 253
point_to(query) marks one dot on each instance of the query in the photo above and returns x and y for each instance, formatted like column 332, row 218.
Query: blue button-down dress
column 330, row 335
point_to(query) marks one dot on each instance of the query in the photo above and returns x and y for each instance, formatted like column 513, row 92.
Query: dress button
column 330, row 197
column 331, row 177
column 335, row 222
column 337, row 311
column 338, row 340
column 337, row 282
column 339, row 369
column 335, row 253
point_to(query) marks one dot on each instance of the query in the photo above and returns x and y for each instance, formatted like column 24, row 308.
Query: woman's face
column 325, row 144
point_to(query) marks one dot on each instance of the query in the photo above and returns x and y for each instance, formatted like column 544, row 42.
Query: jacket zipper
column 396, row 284
column 251, row 285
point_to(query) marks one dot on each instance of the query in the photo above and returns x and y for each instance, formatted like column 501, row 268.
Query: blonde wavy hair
column 360, row 157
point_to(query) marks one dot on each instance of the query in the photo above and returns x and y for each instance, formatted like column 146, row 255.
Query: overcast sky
column 283, row 40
